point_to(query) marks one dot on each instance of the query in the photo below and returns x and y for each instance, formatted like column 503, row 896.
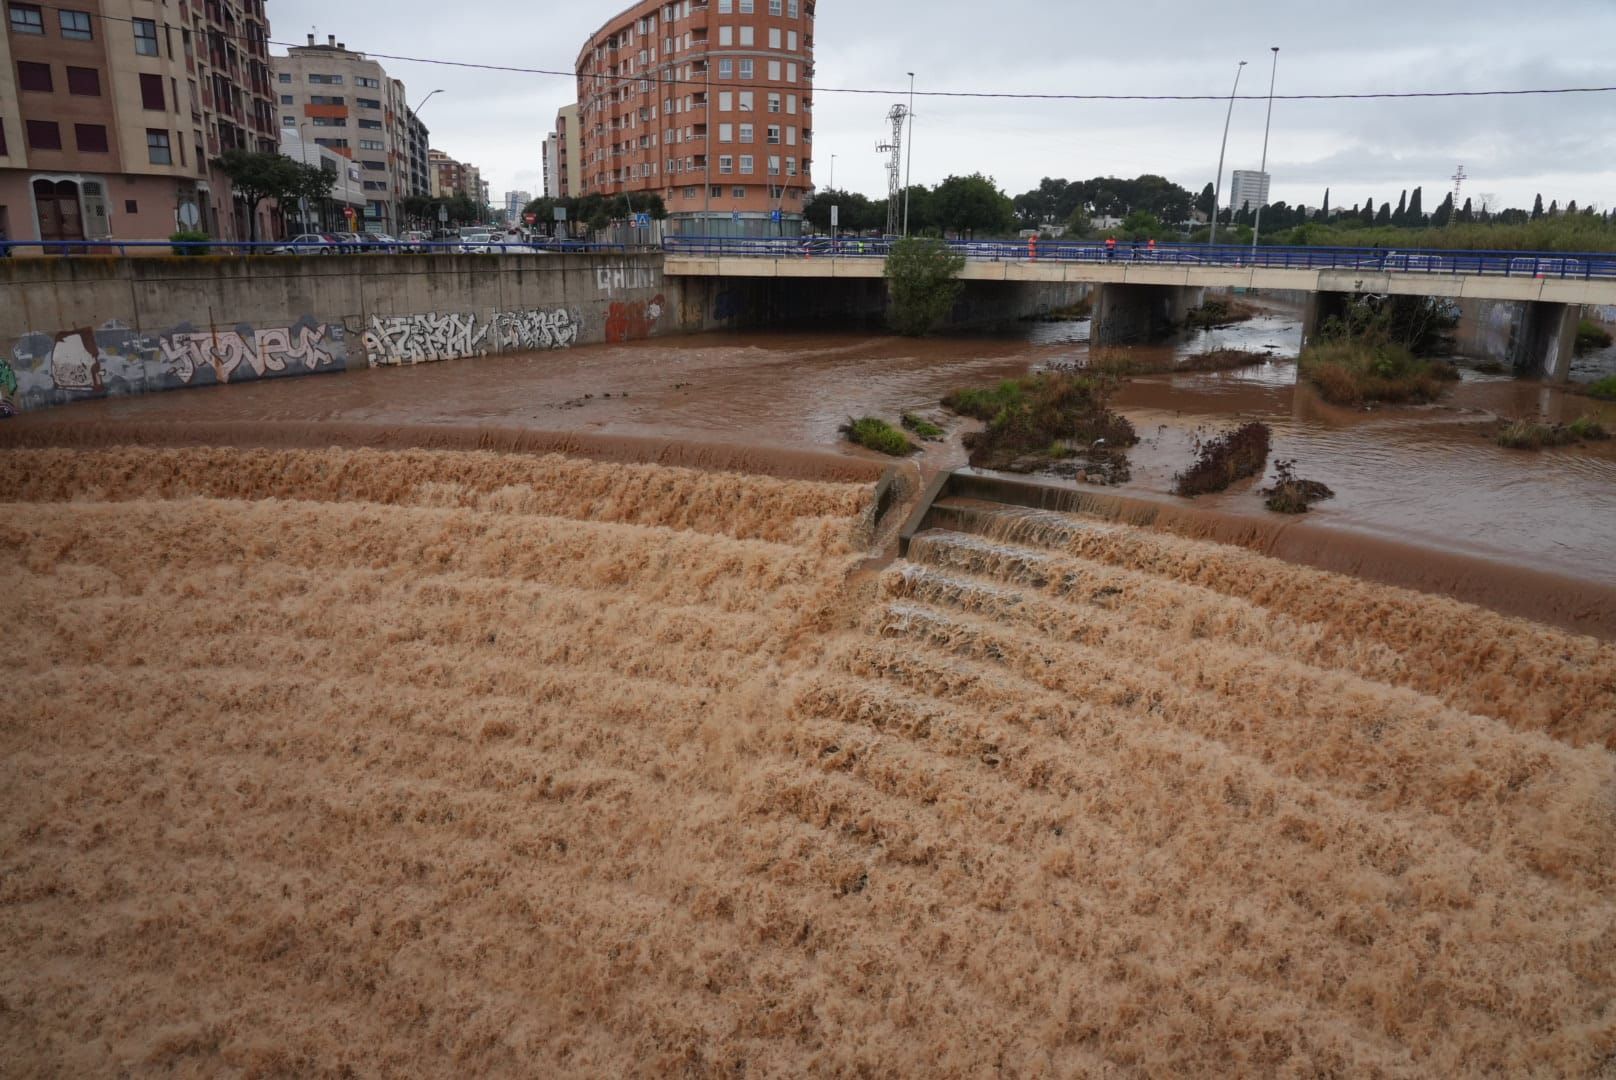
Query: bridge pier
column 1126, row 314
column 1319, row 308
column 1545, row 340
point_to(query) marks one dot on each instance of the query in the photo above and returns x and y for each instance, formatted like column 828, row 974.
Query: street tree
column 970, row 204
column 258, row 176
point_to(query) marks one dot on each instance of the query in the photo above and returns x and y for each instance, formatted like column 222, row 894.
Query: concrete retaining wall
column 72, row 329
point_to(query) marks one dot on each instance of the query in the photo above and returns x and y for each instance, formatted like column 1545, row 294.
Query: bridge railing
column 1545, row 264
column 105, row 248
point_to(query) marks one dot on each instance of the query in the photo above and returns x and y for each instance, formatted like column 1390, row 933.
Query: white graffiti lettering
column 226, row 350
column 609, row 279
column 416, row 339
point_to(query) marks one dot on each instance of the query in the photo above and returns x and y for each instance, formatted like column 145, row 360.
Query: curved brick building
column 707, row 103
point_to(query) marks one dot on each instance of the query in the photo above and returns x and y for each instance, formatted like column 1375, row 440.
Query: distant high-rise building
column 514, row 201
column 346, row 102
column 552, row 165
column 1248, row 188
column 707, row 103
column 112, row 111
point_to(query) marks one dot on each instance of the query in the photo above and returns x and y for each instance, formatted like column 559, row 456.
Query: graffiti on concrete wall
column 80, row 363
column 630, row 319
column 416, row 339
column 265, row 352
column 613, row 279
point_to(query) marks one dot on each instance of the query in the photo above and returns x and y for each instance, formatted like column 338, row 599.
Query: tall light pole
column 416, row 112
column 1262, row 170
column 1217, row 187
column 910, row 159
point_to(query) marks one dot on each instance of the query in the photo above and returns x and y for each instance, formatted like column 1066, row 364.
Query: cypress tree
column 1415, row 215
column 1401, row 212
column 1554, row 207
column 1369, row 212
column 1571, row 207
column 1385, row 215
column 1324, row 208
column 1537, row 207
column 1467, row 215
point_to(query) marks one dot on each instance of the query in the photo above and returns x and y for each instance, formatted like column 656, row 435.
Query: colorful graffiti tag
column 630, row 319
column 416, row 339
column 73, row 365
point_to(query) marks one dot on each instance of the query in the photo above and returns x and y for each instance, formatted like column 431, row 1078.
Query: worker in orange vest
column 1110, row 247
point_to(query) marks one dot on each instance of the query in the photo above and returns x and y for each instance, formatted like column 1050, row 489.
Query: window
column 746, row 132
column 374, row 125
column 284, row 77
column 151, row 93
column 773, row 135
column 369, row 84
column 738, row 192
column 288, row 121
column 43, row 135
column 791, row 40
column 774, row 166
column 91, row 138
column 726, row 68
column 774, row 102
column 746, row 7
column 791, row 136
column 774, row 37
column 332, row 144
column 791, row 73
column 85, row 82
column 746, row 101
column 726, row 7
column 746, row 69
column 791, row 104
column 746, row 163
column 375, row 185
column 774, row 71
column 75, row 25
column 791, row 9
column 774, row 7
column 690, row 193
column 130, row 206
column 328, row 121
column 145, row 37
column 363, row 103
column 726, row 35
column 726, row 101
column 791, row 166
column 748, row 36
column 27, row 19
column 371, row 144
column 32, row 76
column 726, row 164
column 726, row 132
column 326, row 99
column 286, row 99
column 325, row 80
column 157, row 147
column 375, row 166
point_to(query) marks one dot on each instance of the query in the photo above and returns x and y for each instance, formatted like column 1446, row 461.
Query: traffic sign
column 443, row 215
column 774, row 215
column 642, row 221
column 530, row 218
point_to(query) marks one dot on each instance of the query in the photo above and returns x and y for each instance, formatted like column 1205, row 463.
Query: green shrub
column 1038, row 415
column 1590, row 336
column 923, row 283
column 1534, row 435
column 921, row 426
column 1291, row 494
column 1604, row 389
column 187, row 237
column 877, row 434
column 1355, row 372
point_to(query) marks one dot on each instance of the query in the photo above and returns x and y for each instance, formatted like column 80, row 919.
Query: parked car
column 309, row 244
column 379, row 241
column 478, row 243
column 415, row 241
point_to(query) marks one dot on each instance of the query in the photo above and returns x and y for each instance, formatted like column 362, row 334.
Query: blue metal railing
column 290, row 247
column 1557, row 264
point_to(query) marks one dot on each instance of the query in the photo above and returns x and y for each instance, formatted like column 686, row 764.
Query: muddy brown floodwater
column 1428, row 476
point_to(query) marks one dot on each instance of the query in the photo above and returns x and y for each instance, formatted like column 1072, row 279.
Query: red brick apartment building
column 708, row 103
column 111, row 110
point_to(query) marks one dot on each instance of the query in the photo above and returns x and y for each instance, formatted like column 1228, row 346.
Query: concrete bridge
column 1141, row 292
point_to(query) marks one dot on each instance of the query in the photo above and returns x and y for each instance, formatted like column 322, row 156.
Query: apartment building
column 451, row 178
column 567, row 174
column 1248, row 188
column 345, row 101
column 514, row 201
column 111, row 112
column 707, row 103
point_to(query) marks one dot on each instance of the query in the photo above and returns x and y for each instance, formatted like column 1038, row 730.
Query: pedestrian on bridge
column 1110, row 247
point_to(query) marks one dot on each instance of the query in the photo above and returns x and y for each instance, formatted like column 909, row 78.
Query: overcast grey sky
column 1563, row 146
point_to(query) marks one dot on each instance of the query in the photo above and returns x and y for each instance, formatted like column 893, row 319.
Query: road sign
column 835, row 216
column 189, row 216
column 561, row 213
column 530, row 218
column 735, row 215
column 443, row 215
column 774, row 215
column 642, row 221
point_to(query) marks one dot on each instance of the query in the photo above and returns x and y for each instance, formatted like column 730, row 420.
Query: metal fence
column 106, row 248
column 1411, row 260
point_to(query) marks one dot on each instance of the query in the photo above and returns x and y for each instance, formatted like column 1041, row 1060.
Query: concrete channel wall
column 82, row 328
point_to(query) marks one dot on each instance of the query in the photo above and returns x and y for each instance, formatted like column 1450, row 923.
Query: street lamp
column 1217, row 188
column 416, row 112
column 909, row 159
column 1262, row 170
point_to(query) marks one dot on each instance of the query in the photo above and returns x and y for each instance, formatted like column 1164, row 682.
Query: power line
column 1013, row 95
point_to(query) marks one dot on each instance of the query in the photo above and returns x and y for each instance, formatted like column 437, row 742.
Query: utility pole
column 907, row 170
column 1217, row 187
column 1262, row 170
column 1458, row 179
column 894, row 149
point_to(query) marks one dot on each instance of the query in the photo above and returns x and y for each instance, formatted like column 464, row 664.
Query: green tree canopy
column 971, row 204
column 922, row 283
column 258, row 176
